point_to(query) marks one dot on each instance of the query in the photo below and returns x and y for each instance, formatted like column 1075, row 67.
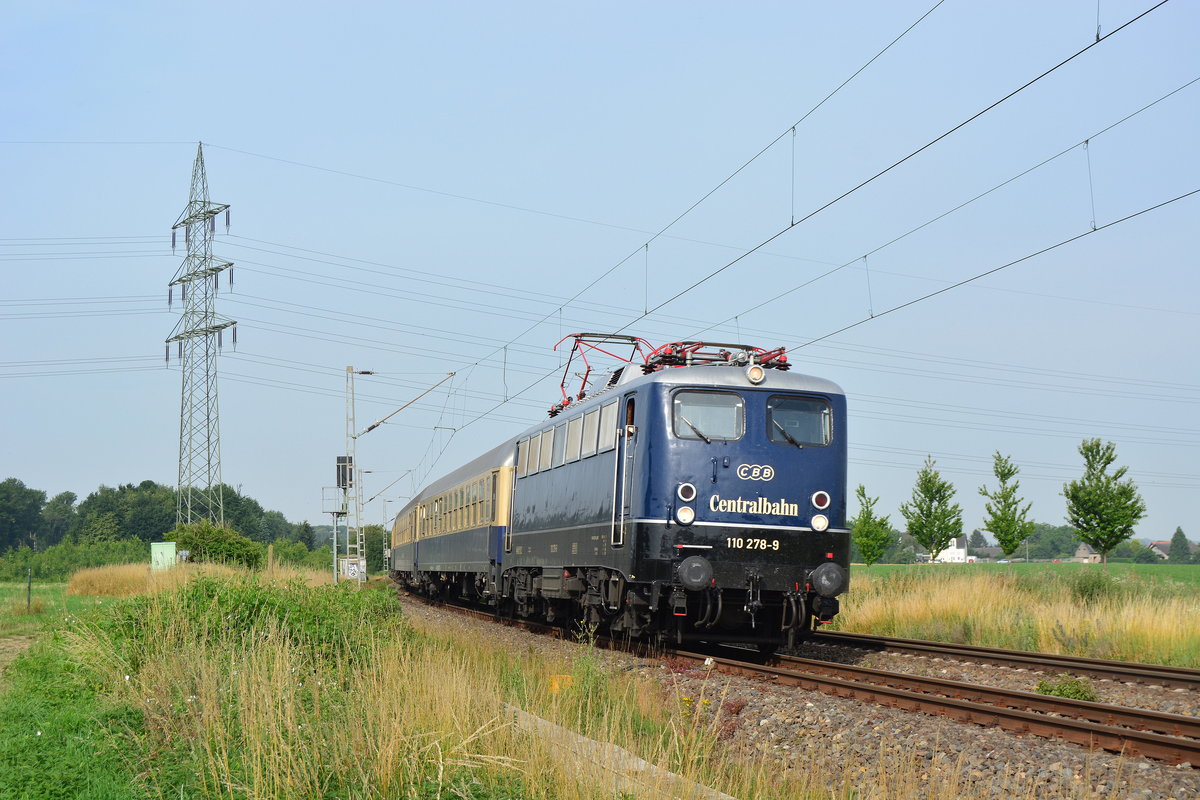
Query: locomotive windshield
column 709, row 416
column 799, row 421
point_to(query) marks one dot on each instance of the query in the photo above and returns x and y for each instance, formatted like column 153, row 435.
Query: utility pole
column 356, row 545
column 349, row 480
column 198, row 338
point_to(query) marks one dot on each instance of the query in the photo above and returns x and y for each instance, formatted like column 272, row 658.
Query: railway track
column 1172, row 738
column 1151, row 674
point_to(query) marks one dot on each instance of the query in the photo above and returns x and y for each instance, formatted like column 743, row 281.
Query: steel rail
column 1173, row 677
column 1173, row 738
column 985, row 706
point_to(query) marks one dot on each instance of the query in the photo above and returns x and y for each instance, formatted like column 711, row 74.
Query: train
column 697, row 493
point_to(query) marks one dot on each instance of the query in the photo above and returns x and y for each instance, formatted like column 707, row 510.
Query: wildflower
column 39, row 733
column 127, row 679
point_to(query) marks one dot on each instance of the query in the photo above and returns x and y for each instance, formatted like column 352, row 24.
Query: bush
column 1094, row 585
column 206, row 542
column 1068, row 687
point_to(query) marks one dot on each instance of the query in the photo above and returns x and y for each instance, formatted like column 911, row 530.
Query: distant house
column 1161, row 549
column 990, row 553
column 1084, row 554
column 956, row 553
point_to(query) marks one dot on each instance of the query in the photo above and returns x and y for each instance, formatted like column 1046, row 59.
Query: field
column 223, row 684
column 48, row 600
column 239, row 686
column 1129, row 612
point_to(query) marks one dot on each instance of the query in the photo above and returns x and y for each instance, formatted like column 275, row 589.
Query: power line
column 959, row 207
column 993, row 271
column 888, row 169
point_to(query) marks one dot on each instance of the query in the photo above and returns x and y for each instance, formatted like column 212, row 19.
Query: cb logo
column 755, row 472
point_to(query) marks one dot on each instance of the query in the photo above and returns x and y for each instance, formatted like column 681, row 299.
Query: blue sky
column 416, row 185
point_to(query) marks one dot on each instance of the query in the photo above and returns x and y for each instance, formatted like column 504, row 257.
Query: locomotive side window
column 560, row 444
column 522, row 457
column 799, row 421
column 547, row 449
column 608, row 428
column 719, row 416
column 574, row 431
column 535, row 454
column 588, row 445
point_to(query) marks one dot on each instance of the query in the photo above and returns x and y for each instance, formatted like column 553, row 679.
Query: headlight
column 820, row 523
column 829, row 580
column 686, row 492
column 756, row 374
column 686, row 515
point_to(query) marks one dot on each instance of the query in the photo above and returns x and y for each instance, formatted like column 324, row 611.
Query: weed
column 1066, row 686
column 1094, row 585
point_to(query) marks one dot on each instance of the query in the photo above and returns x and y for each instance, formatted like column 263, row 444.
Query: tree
column 1051, row 541
column 1102, row 507
column 871, row 534
column 20, row 513
column 1181, row 551
column 58, row 516
column 977, row 540
column 373, row 539
column 100, row 527
column 145, row 511
column 305, row 535
column 932, row 519
column 1006, row 518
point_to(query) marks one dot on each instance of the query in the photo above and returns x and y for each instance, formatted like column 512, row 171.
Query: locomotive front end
column 751, row 495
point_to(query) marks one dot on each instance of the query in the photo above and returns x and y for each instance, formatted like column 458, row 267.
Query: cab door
column 625, row 468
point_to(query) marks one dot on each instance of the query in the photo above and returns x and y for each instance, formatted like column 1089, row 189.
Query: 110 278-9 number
column 744, row 543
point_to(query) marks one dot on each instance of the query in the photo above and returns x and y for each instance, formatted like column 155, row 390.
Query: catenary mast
column 198, row 337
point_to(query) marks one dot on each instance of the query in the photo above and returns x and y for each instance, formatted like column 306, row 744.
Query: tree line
column 144, row 511
column 1102, row 508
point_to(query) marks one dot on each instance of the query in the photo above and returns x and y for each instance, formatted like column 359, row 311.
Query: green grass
column 60, row 739
column 46, row 602
column 106, row 703
column 1186, row 575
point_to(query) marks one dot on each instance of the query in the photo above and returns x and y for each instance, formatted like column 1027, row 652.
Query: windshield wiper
column 786, row 435
column 695, row 430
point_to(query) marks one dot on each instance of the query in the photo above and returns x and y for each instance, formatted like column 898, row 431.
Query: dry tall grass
column 260, row 711
column 1095, row 615
column 129, row 580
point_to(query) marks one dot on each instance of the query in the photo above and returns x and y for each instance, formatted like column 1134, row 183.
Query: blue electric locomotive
column 699, row 495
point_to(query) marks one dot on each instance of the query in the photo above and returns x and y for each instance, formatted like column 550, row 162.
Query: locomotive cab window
column 711, row 416
column 799, row 421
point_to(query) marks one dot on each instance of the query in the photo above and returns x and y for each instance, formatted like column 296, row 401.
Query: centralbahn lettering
column 759, row 505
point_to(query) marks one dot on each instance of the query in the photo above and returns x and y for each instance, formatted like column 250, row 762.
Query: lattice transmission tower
column 198, row 337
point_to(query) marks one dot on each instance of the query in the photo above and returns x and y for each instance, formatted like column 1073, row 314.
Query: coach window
column 799, row 421
column 547, row 449
column 560, row 444
column 574, row 431
column 608, row 427
column 588, row 445
column 711, row 416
